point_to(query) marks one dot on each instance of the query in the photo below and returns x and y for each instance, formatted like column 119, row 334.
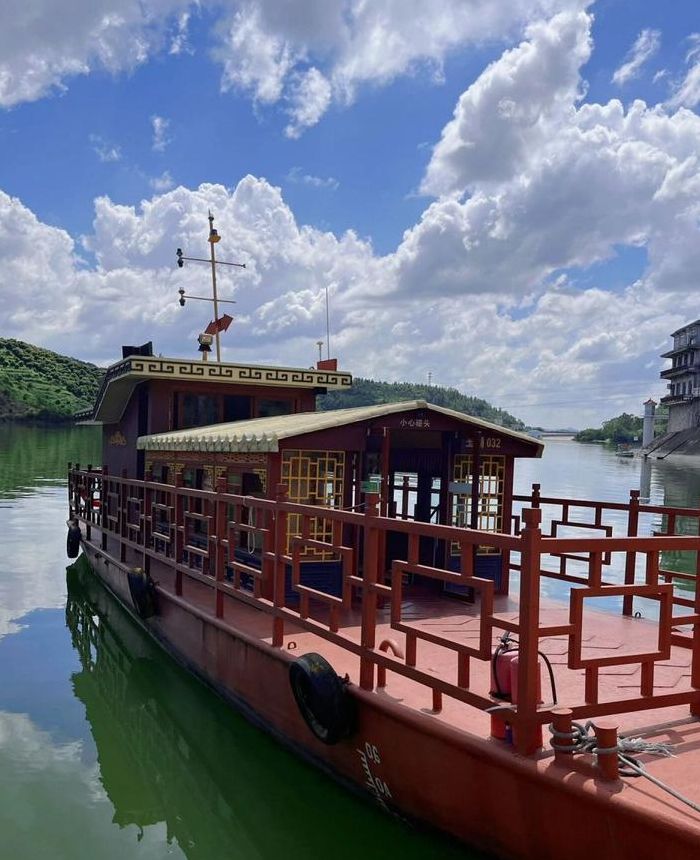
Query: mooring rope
column 582, row 741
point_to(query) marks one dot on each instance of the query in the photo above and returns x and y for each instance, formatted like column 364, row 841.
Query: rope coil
column 629, row 766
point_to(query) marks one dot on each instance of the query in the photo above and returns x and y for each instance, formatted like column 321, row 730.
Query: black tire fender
column 322, row 698
column 73, row 539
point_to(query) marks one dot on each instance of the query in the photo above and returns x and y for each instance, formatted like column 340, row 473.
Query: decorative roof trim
column 264, row 434
column 140, row 368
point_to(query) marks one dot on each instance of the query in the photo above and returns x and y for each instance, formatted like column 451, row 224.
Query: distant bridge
column 556, row 434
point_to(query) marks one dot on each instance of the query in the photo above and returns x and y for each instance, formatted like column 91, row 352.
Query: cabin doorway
column 415, row 493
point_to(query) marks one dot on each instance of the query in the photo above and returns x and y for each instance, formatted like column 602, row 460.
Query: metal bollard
column 606, row 751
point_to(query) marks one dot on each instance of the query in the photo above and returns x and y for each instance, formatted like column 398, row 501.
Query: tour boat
column 364, row 584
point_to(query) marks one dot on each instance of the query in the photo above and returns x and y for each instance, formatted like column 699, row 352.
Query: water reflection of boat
column 170, row 753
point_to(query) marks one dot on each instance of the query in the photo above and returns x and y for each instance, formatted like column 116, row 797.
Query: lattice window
column 313, row 478
column 491, row 487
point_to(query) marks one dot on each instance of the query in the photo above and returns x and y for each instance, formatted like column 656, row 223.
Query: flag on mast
column 220, row 324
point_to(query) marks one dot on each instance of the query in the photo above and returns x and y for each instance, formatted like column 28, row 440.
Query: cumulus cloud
column 645, row 46
column 551, row 185
column 306, row 55
column 42, row 48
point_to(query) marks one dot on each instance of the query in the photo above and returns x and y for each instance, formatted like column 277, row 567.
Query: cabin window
column 313, row 478
column 237, row 407
column 160, row 472
column 199, row 410
column 491, row 490
column 268, row 408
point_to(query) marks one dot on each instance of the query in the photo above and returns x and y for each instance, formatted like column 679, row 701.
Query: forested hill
column 366, row 392
column 40, row 385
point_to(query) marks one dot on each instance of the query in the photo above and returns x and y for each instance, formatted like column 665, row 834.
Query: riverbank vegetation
column 624, row 429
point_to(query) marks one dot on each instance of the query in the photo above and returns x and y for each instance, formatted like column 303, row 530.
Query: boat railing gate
column 196, row 532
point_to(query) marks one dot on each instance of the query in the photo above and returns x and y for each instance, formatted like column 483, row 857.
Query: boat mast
column 214, row 237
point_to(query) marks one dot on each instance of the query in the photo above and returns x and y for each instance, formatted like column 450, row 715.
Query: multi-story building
column 683, row 398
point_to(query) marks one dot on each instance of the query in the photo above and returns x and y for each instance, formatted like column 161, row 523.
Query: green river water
column 108, row 750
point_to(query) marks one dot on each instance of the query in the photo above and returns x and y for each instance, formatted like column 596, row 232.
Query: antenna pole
column 328, row 328
column 213, row 239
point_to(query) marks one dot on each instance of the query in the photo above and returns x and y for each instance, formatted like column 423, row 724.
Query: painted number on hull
column 369, row 756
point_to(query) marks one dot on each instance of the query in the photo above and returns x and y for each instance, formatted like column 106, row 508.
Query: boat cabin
column 421, row 459
column 197, row 423
column 145, row 394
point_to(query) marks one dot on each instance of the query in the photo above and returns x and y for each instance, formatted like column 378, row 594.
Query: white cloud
column 687, row 93
column 506, row 114
column 266, row 47
column 162, row 183
column 160, row 127
column 41, row 47
column 307, row 53
column 253, row 59
column 297, row 176
column 104, row 150
column 310, row 97
column 645, row 46
column 179, row 42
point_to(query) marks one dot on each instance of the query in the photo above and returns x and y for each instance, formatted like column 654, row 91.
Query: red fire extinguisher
column 504, row 683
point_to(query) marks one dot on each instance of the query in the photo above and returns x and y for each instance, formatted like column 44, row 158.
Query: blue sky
column 503, row 193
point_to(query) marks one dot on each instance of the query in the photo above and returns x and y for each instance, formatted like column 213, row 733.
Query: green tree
column 621, row 430
column 368, row 392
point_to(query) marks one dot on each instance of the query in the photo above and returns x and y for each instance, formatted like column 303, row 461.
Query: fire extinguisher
column 504, row 682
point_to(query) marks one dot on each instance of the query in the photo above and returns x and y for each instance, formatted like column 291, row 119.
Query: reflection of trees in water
column 677, row 484
column 149, row 767
column 32, row 454
column 170, row 751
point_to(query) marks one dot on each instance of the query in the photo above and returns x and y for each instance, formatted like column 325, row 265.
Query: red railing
column 196, row 533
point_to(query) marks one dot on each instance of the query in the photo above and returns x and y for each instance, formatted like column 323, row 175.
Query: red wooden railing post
column 123, row 515
column 527, row 728
column 631, row 556
column 535, row 500
column 279, row 569
column 104, row 521
column 179, row 531
column 219, row 559
column 370, row 574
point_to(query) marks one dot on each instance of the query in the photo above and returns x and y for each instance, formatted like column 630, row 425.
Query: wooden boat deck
column 605, row 634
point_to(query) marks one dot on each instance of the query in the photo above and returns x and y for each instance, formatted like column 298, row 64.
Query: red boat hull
column 476, row 789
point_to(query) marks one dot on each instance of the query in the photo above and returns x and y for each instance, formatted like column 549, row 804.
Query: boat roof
column 265, row 434
column 121, row 379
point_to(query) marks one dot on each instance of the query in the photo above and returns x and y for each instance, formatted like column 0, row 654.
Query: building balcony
column 691, row 347
column 675, row 399
column 679, row 370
